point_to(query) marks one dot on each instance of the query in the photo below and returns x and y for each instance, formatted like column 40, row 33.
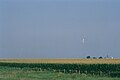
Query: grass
column 11, row 73
column 65, row 61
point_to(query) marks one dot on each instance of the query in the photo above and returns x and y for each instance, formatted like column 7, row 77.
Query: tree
column 88, row 57
column 100, row 57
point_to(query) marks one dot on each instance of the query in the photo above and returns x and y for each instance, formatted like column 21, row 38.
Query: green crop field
column 59, row 69
column 11, row 73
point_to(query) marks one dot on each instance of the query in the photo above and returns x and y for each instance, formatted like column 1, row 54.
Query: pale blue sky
column 55, row 28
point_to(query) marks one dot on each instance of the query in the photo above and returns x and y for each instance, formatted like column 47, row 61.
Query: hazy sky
column 56, row 28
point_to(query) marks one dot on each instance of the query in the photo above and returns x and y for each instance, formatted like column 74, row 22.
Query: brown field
column 64, row 61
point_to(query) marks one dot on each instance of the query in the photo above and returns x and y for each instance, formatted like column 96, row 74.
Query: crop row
column 109, row 69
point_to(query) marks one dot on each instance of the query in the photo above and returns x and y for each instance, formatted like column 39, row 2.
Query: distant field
column 65, row 61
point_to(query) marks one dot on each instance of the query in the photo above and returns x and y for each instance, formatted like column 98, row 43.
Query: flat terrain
column 15, row 72
column 65, row 61
column 11, row 73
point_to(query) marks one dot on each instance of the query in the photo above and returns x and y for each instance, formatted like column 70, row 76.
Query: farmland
column 72, row 69
column 10, row 73
column 64, row 61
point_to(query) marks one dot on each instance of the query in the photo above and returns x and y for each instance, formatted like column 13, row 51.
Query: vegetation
column 109, row 69
column 88, row 57
column 12, row 73
column 64, row 61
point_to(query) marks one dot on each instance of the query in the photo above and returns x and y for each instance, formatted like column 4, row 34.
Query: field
column 64, row 61
column 7, row 73
column 59, row 69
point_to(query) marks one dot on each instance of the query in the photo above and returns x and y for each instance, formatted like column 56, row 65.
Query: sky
column 59, row 28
